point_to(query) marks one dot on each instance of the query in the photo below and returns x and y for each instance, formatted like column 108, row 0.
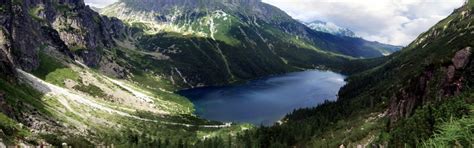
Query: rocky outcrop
column 462, row 58
column 455, row 78
column 67, row 26
column 403, row 103
column 7, row 70
column 419, row 91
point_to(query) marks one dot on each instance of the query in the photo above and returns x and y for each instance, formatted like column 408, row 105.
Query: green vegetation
column 470, row 3
column 3, row 8
column 11, row 130
column 62, row 8
column 34, row 13
column 454, row 132
column 17, row 2
column 91, row 90
column 77, row 48
column 246, row 48
column 76, row 141
column 416, row 73
column 58, row 76
column 427, row 120
column 17, row 94
column 47, row 64
column 19, row 99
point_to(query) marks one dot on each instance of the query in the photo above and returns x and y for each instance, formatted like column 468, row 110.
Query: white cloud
column 396, row 22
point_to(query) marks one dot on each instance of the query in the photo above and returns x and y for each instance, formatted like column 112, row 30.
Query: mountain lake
column 267, row 100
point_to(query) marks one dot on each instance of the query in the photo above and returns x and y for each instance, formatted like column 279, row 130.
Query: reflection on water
column 267, row 100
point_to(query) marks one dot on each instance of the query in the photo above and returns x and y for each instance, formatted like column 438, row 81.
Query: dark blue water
column 267, row 100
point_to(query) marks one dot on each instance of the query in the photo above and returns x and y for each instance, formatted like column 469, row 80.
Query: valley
column 208, row 73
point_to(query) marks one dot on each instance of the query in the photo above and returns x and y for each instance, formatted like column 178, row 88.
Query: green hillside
column 419, row 97
column 70, row 75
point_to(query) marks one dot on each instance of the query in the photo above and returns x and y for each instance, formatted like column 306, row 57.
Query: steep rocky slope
column 59, row 69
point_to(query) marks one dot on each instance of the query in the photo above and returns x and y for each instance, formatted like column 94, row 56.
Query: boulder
column 2, row 145
column 461, row 58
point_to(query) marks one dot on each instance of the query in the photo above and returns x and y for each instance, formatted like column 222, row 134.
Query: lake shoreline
column 265, row 100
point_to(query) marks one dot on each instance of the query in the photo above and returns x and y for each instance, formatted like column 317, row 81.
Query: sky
column 396, row 22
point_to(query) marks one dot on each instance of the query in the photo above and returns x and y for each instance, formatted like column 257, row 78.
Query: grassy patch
column 34, row 13
column 11, row 129
column 91, row 90
column 47, row 65
column 74, row 141
column 458, row 133
column 22, row 99
column 454, row 131
column 17, row 94
column 58, row 76
column 63, row 8
column 77, row 48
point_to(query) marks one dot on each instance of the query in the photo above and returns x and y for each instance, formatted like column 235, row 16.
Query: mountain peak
column 330, row 28
column 189, row 3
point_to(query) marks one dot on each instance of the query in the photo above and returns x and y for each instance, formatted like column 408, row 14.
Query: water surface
column 267, row 100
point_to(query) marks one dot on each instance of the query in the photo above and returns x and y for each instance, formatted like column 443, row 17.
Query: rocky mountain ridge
column 333, row 29
column 220, row 20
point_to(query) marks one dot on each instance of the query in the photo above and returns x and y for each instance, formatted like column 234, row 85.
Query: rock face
column 407, row 100
column 6, row 64
column 456, row 76
column 66, row 26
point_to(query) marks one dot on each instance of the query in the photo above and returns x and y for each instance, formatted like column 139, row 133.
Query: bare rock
column 111, row 67
column 406, row 100
column 7, row 68
column 450, row 73
column 2, row 145
column 461, row 58
column 4, row 107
